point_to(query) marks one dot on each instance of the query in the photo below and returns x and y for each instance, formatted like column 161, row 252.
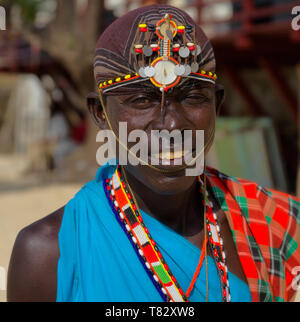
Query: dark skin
column 32, row 273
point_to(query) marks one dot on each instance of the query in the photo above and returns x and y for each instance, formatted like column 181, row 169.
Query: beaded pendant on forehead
column 164, row 53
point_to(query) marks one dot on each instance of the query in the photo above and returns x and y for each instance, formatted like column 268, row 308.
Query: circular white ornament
column 184, row 52
column 188, row 70
column 142, row 72
column 179, row 70
column 165, row 72
column 195, row 67
column 149, row 71
column 198, row 50
column 147, row 51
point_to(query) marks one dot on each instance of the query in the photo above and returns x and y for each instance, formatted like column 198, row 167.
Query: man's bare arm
column 32, row 274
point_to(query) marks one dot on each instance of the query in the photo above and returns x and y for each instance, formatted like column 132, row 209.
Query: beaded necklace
column 124, row 206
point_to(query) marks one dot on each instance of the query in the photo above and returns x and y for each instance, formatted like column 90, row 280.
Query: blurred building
column 41, row 120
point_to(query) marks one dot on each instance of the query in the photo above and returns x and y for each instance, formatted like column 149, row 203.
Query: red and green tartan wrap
column 265, row 225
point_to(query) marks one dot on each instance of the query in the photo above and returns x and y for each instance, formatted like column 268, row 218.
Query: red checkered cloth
column 265, row 225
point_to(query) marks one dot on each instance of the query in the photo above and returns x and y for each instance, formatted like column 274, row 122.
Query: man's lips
column 173, row 158
column 170, row 155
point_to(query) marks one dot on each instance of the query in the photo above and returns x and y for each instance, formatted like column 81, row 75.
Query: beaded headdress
column 154, row 45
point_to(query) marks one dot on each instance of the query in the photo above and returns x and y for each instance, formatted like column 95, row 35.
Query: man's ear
column 95, row 108
column 220, row 96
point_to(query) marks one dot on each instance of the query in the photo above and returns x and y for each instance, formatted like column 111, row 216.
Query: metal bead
column 179, row 70
column 188, row 70
column 142, row 72
column 184, row 52
column 198, row 51
column 149, row 71
column 147, row 51
column 195, row 67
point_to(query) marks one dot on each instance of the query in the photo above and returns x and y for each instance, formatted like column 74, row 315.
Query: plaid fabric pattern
column 265, row 225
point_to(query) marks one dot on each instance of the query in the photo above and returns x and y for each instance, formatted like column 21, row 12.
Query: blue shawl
column 98, row 263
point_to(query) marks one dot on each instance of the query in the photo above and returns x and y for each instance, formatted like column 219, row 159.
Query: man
column 150, row 232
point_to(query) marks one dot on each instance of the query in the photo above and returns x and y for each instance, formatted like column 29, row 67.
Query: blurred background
column 47, row 140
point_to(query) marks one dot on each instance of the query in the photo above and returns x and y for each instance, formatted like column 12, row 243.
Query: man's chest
column 232, row 258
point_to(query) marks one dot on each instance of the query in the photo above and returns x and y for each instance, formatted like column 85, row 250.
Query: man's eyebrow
column 197, row 84
column 153, row 93
column 156, row 93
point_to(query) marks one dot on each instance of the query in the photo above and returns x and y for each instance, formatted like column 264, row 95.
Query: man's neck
column 182, row 211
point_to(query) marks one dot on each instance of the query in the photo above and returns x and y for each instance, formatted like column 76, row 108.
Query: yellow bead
column 203, row 72
column 110, row 82
column 142, row 25
column 104, row 84
column 181, row 27
column 127, row 76
column 118, row 79
column 100, row 85
column 210, row 73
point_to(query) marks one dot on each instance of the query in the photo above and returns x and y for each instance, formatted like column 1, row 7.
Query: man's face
column 187, row 108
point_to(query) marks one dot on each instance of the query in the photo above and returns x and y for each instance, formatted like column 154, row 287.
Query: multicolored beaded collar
column 162, row 58
column 125, row 210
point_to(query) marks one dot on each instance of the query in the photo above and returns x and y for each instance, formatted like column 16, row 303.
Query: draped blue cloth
column 98, row 263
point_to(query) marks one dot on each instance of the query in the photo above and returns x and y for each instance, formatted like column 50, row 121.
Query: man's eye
column 196, row 98
column 141, row 102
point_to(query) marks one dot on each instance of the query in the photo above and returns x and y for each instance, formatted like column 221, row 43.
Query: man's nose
column 171, row 116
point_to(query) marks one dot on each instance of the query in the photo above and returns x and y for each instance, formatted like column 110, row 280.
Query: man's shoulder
column 33, row 263
column 273, row 203
column 46, row 228
column 40, row 239
column 236, row 186
column 228, row 180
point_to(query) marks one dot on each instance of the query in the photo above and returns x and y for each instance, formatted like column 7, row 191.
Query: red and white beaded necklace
column 125, row 208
